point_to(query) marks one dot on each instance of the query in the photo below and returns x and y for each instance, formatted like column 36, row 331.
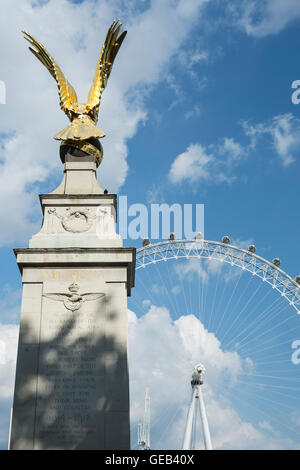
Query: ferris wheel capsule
column 226, row 240
column 146, row 242
column 200, row 368
column 276, row 262
column 252, row 248
column 199, row 236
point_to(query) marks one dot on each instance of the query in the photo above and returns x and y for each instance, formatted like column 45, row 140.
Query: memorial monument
column 72, row 387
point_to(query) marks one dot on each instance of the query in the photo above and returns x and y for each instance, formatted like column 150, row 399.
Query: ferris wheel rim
column 289, row 289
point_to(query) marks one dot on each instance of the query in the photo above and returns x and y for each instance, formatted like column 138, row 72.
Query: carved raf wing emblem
column 73, row 299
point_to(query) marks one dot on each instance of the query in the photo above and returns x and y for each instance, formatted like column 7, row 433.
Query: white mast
column 197, row 400
column 144, row 427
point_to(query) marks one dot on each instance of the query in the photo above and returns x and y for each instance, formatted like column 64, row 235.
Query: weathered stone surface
column 72, row 366
column 79, row 178
column 72, row 385
column 86, row 222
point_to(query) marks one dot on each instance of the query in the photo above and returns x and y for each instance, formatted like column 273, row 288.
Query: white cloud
column 176, row 290
column 231, row 432
column 284, row 131
column 195, row 111
column 189, row 57
column 192, row 165
column 29, row 155
column 232, row 149
column 205, row 269
column 266, row 425
column 261, row 19
column 155, row 194
column 191, row 267
column 218, row 163
column 146, row 303
column 162, row 354
column 215, row 163
column 8, row 340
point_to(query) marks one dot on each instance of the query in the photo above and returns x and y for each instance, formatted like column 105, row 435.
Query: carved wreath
column 75, row 220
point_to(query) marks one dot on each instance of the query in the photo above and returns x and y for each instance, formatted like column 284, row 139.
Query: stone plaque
column 70, row 379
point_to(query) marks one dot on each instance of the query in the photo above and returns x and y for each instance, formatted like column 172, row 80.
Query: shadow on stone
column 71, row 388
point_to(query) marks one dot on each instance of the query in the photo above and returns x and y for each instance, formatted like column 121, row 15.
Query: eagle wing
column 67, row 93
column 61, row 297
column 108, row 54
column 92, row 296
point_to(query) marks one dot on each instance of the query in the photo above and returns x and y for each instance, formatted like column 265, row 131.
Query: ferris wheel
column 250, row 307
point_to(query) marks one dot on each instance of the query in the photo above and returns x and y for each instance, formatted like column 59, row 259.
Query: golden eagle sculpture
column 83, row 116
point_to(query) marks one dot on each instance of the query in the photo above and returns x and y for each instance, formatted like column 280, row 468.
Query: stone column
column 72, row 387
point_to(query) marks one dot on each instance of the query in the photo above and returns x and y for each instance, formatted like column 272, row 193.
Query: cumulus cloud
column 175, row 348
column 219, row 163
column 283, row 130
column 28, row 154
column 162, row 354
column 193, row 165
column 261, row 19
column 213, row 164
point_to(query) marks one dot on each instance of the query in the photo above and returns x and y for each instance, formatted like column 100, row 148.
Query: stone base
column 72, row 387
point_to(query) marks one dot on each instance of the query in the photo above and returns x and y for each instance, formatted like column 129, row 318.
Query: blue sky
column 198, row 110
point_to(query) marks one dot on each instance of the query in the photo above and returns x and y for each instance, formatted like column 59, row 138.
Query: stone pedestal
column 72, row 387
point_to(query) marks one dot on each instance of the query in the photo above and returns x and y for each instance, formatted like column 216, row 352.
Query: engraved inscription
column 70, row 379
column 57, row 275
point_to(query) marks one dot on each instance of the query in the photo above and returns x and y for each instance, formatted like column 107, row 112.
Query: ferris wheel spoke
column 218, row 307
column 254, row 335
column 274, row 346
column 176, row 301
column 214, row 299
column 268, row 386
column 277, row 310
column 260, row 319
column 260, row 391
column 280, row 377
column 271, row 418
column 234, row 308
column 269, row 330
column 252, row 316
column 239, row 315
column 166, row 427
column 229, row 302
column 167, row 291
column 273, row 339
